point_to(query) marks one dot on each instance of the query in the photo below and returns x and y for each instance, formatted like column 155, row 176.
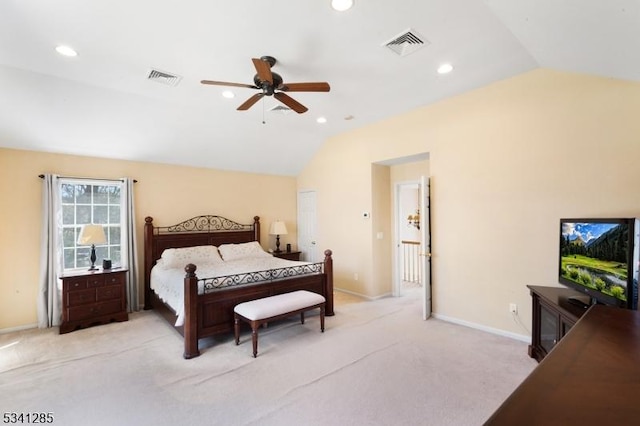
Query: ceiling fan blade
column 290, row 102
column 222, row 83
column 249, row 102
column 263, row 69
column 306, row 87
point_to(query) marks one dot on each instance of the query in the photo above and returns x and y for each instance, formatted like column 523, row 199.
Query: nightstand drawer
column 108, row 293
column 80, row 297
column 289, row 255
column 91, row 311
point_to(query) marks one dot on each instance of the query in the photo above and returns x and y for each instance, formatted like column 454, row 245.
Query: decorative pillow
column 179, row 257
column 242, row 250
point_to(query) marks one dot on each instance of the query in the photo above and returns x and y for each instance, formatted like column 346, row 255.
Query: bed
column 208, row 296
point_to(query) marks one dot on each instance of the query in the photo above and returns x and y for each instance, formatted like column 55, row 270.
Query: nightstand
column 93, row 297
column 289, row 255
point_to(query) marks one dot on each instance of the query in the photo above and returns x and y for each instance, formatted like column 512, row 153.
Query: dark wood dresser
column 93, row 297
column 591, row 377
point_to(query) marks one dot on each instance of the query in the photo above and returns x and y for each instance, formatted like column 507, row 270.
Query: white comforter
column 168, row 283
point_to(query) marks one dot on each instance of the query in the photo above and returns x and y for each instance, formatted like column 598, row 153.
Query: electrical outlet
column 513, row 308
column 355, row 276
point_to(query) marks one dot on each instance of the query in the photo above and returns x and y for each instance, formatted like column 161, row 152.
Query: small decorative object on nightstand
column 289, row 255
column 278, row 228
column 93, row 297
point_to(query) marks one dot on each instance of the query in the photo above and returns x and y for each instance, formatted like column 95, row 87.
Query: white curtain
column 129, row 245
column 48, row 304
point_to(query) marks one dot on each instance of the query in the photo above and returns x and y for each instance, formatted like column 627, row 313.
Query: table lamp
column 92, row 234
column 278, row 228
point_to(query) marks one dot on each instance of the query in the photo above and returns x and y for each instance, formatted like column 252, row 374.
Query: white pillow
column 242, row 250
column 180, row 257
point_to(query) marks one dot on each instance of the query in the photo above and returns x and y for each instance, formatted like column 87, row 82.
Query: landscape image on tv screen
column 594, row 255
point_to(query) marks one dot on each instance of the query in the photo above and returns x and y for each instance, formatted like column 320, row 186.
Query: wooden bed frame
column 211, row 313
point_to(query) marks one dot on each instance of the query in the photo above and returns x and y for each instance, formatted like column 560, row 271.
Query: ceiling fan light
column 66, row 51
column 321, row 120
column 228, row 94
column 341, row 5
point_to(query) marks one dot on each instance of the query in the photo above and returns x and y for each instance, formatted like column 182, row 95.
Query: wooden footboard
column 212, row 313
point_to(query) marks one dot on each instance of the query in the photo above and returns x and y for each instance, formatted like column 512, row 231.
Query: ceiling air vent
column 406, row 42
column 164, row 78
column 280, row 109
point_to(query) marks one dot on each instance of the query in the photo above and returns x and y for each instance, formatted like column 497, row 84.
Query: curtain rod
column 85, row 178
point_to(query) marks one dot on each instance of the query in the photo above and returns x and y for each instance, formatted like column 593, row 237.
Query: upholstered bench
column 261, row 311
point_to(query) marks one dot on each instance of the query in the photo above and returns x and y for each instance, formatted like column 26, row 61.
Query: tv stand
column 581, row 301
column 554, row 314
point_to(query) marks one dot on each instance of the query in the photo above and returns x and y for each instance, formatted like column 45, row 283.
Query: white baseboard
column 515, row 336
column 353, row 293
column 19, row 328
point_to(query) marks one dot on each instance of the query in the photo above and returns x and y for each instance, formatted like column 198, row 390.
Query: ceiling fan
column 271, row 84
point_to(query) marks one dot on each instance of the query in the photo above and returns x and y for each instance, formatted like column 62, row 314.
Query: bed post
column 328, row 288
column 148, row 260
column 256, row 228
column 190, row 312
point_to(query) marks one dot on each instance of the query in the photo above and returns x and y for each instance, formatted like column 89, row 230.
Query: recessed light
column 341, row 5
column 321, row 120
column 228, row 94
column 66, row 51
column 445, row 69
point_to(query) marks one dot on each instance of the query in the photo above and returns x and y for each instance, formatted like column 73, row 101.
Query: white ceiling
column 100, row 103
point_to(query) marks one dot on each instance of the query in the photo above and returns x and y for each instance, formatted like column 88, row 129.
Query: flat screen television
column 599, row 257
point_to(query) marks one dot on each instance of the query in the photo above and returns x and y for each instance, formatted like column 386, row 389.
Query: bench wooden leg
column 322, row 318
column 236, row 328
column 254, row 337
column 302, row 317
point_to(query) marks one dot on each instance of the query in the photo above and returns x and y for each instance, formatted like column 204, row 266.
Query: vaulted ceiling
column 102, row 103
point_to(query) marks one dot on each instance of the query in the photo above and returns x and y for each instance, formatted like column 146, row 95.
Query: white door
column 307, row 226
column 425, row 246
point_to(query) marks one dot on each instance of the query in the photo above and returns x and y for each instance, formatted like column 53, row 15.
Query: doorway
column 410, row 212
column 409, row 237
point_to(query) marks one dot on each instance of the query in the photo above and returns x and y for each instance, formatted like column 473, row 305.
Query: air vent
column 406, row 42
column 280, row 109
column 164, row 78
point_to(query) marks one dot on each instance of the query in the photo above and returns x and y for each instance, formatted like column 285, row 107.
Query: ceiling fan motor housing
column 267, row 87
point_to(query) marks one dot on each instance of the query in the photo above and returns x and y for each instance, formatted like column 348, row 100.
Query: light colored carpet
column 377, row 363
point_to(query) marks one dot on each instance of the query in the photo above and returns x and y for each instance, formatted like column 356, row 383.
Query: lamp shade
column 278, row 228
column 91, row 234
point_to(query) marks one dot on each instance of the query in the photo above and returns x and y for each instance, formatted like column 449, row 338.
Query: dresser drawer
column 109, row 293
column 80, row 297
column 113, row 279
column 91, row 311
column 71, row 284
column 96, row 281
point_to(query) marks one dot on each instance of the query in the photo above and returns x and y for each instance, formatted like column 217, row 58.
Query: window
column 90, row 201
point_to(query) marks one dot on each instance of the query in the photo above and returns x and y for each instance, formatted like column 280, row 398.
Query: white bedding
column 168, row 282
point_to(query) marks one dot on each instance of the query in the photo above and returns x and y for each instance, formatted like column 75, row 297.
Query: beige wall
column 381, row 231
column 506, row 161
column 167, row 193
